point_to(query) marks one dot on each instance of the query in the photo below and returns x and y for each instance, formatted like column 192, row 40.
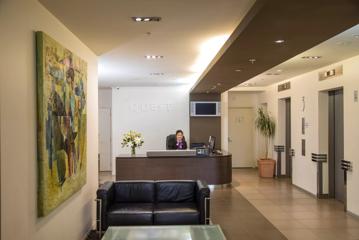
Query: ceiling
column 342, row 46
column 189, row 35
column 301, row 24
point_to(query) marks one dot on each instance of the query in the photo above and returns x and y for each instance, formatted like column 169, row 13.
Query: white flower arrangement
column 133, row 140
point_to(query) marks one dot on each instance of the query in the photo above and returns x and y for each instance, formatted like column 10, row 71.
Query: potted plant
column 266, row 126
column 133, row 140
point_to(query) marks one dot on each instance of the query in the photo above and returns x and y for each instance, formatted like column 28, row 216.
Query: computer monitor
column 211, row 143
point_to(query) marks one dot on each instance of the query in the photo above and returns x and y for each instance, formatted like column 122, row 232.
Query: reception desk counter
column 215, row 169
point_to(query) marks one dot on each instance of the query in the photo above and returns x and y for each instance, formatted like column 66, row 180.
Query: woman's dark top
column 178, row 145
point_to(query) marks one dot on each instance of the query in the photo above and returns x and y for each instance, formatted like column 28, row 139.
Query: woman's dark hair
column 179, row 131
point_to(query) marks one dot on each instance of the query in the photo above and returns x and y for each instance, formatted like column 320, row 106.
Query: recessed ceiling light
column 153, row 56
column 252, row 60
column 238, row 70
column 275, row 73
column 246, row 84
column 146, row 19
column 343, row 43
column 157, row 74
column 279, row 41
column 279, row 70
column 219, row 84
column 356, row 35
column 312, row 57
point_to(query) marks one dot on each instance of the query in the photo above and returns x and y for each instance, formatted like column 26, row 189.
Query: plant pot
column 266, row 168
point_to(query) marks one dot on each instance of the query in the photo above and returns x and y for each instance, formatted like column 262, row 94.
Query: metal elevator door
column 336, row 145
column 288, row 137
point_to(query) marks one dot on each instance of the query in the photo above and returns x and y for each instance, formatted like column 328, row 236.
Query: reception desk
column 215, row 169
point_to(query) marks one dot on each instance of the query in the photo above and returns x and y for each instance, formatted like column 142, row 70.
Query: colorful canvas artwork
column 61, row 124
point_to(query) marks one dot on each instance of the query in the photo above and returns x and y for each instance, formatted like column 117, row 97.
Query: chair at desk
column 170, row 141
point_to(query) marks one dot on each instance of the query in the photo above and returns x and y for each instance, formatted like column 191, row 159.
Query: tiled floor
column 257, row 208
column 298, row 215
column 239, row 219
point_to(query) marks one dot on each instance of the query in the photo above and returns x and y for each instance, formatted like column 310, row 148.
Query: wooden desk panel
column 215, row 169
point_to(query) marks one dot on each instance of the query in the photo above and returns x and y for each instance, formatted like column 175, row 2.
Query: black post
column 346, row 166
column 319, row 159
column 279, row 149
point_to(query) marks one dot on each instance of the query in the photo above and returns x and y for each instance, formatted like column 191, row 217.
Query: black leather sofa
column 152, row 203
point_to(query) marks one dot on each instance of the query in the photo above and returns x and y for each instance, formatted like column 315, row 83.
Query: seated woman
column 180, row 142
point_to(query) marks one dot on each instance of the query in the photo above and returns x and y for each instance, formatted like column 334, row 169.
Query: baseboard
column 323, row 196
column 87, row 235
column 282, row 176
column 353, row 214
column 244, row 167
column 302, row 189
column 93, row 226
column 319, row 196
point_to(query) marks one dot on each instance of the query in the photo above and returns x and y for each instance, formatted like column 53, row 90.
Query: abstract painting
column 61, row 123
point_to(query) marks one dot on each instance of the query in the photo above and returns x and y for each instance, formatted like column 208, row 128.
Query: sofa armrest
column 105, row 196
column 202, row 199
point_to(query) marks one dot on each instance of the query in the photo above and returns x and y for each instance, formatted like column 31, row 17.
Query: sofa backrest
column 175, row 191
column 135, row 191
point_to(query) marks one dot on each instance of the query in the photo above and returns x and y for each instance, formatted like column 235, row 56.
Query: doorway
column 288, row 137
column 241, row 137
column 336, row 145
column 105, row 139
column 284, row 167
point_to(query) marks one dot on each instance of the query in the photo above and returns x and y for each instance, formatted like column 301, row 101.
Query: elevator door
column 336, row 145
column 288, row 136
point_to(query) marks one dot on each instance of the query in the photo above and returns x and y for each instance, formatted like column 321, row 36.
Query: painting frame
column 61, row 123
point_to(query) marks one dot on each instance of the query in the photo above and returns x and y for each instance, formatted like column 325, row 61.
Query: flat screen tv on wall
column 205, row 109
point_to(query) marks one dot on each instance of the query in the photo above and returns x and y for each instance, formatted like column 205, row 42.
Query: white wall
column 308, row 86
column 74, row 218
column 105, row 98
column 153, row 111
column 224, row 121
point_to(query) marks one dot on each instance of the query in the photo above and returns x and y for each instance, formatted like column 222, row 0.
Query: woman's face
column 179, row 137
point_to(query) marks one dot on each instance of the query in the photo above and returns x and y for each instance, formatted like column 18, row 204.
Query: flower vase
column 133, row 151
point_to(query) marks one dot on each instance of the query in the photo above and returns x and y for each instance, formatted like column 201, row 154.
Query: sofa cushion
column 175, row 191
column 130, row 214
column 134, row 191
column 175, row 214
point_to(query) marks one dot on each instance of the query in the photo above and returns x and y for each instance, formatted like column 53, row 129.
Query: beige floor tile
column 254, row 196
column 334, row 234
column 300, row 234
column 287, row 224
column 297, row 214
column 264, row 203
column 328, row 223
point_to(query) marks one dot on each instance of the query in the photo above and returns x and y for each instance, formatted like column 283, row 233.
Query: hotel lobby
column 179, row 120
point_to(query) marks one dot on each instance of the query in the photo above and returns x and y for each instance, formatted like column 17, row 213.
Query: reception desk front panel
column 215, row 169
